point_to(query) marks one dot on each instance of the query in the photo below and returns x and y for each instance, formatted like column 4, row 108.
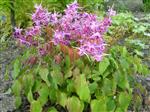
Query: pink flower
column 111, row 12
column 60, row 37
column 41, row 16
column 98, row 57
column 75, row 28
column 42, row 51
column 72, row 8
column 33, row 31
column 24, row 41
column 18, row 33
column 84, row 28
column 54, row 18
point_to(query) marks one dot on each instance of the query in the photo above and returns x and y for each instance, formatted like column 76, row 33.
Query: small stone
column 148, row 79
column 7, row 103
column 147, row 101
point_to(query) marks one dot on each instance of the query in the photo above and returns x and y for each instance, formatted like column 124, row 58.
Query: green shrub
column 146, row 5
column 77, row 86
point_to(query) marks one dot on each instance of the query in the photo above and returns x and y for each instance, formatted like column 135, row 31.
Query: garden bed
column 53, row 77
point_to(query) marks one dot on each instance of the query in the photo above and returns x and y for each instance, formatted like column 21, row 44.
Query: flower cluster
column 26, row 37
column 85, row 29
column 75, row 28
column 41, row 16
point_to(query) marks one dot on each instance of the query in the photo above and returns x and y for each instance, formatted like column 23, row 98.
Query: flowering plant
column 77, row 29
column 82, row 86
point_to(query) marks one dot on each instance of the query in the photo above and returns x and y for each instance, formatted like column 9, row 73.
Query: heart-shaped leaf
column 44, row 75
column 82, row 88
column 124, row 100
column 98, row 106
column 103, row 65
column 16, row 69
column 36, row 106
column 74, row 104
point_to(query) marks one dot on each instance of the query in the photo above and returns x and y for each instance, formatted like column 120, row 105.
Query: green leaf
column 95, row 76
column 68, row 74
column 57, row 77
column 62, row 98
column 43, row 94
column 67, row 62
column 98, row 106
column 111, row 104
column 52, row 109
column 16, row 88
column 28, row 82
column 16, row 68
column 70, row 86
column 93, row 86
column 139, row 53
column 18, row 101
column 37, row 85
column 76, row 71
column 53, row 94
column 122, row 80
column 82, row 89
column 103, row 65
column 146, row 70
column 79, row 63
column 30, row 96
column 36, row 70
column 124, row 64
column 118, row 109
column 44, row 75
column 124, row 51
column 36, row 106
column 74, row 104
column 26, row 54
column 124, row 100
column 87, row 70
column 109, row 87
column 114, row 62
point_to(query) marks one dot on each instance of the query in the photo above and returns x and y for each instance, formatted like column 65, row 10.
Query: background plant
column 146, row 5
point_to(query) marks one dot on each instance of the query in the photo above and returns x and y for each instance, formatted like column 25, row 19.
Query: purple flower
column 18, row 33
column 107, row 22
column 27, row 37
column 41, row 16
column 59, row 37
column 98, row 57
column 20, row 37
column 24, row 41
column 54, row 18
column 82, row 28
column 42, row 51
column 33, row 31
column 72, row 8
column 96, row 35
column 111, row 12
